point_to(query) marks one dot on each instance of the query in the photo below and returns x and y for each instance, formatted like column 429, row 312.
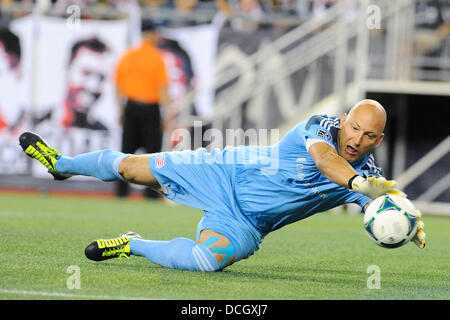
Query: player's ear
column 343, row 118
column 380, row 138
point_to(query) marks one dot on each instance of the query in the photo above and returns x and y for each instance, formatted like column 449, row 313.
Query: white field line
column 70, row 295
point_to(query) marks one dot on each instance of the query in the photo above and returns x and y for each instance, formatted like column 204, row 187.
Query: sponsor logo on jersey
column 324, row 134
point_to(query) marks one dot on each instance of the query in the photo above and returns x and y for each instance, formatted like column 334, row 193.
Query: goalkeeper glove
column 374, row 187
column 419, row 237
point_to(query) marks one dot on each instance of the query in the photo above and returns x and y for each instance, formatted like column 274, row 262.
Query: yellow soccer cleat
column 102, row 249
column 37, row 148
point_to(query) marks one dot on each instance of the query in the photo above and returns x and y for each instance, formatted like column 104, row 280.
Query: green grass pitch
column 326, row 256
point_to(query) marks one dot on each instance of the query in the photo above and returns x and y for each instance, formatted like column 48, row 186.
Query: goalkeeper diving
column 245, row 192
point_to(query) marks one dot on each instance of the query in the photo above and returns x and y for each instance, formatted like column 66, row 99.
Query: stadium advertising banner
column 75, row 104
column 190, row 57
column 67, row 93
column 192, row 49
column 14, row 94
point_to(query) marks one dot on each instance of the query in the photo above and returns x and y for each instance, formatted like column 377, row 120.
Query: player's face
column 86, row 77
column 359, row 134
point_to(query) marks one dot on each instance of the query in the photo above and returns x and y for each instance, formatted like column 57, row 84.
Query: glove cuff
column 350, row 181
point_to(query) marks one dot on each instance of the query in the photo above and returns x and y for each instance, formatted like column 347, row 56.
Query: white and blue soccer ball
column 390, row 221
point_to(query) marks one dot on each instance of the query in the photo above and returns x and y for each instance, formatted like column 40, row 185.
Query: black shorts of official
column 141, row 127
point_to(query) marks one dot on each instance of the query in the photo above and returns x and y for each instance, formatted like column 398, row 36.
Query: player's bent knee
column 133, row 168
column 221, row 248
column 136, row 169
column 127, row 168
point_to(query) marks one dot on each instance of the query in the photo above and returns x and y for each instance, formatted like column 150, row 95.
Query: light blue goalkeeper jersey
column 261, row 188
column 280, row 184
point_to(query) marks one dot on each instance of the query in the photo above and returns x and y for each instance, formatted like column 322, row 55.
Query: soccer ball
column 390, row 221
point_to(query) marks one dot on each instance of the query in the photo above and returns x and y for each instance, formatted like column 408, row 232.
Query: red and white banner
column 68, row 94
column 60, row 84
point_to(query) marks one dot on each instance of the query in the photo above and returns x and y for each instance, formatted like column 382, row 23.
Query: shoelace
column 113, row 251
column 47, row 151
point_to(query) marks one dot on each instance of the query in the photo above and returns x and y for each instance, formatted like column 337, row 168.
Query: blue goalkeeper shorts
column 205, row 180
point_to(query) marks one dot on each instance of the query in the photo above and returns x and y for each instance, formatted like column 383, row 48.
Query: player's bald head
column 371, row 111
column 361, row 130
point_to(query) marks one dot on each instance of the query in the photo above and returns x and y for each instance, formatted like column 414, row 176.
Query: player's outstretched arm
column 332, row 165
column 339, row 171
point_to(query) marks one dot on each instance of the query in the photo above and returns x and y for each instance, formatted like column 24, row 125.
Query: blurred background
column 231, row 64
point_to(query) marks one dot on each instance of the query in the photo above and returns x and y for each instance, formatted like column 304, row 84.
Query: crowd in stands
column 256, row 11
column 251, row 9
column 243, row 6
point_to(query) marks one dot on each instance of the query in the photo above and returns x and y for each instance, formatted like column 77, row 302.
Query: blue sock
column 179, row 253
column 103, row 164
